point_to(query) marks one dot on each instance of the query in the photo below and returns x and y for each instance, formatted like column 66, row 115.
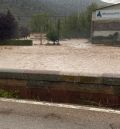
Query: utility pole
column 58, row 28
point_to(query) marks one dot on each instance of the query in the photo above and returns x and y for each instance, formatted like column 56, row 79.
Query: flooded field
column 75, row 55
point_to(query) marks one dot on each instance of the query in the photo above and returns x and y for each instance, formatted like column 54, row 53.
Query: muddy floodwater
column 75, row 55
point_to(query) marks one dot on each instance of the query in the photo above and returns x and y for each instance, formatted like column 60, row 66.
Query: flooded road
column 75, row 55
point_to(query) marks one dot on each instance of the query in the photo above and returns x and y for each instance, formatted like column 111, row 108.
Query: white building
column 106, row 25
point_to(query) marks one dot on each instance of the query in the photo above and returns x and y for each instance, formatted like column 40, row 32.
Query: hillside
column 66, row 7
column 24, row 9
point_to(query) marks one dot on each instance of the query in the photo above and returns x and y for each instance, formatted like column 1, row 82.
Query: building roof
column 108, row 6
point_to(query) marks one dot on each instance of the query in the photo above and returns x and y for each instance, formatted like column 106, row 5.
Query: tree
column 39, row 24
column 24, row 32
column 70, row 26
column 88, row 15
column 78, row 24
column 53, row 36
column 8, row 26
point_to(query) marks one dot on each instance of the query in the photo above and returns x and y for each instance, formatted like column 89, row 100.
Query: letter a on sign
column 99, row 14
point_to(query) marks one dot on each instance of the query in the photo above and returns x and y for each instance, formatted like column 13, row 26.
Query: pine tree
column 8, row 26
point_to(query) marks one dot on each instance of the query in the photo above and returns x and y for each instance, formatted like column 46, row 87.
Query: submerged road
column 29, row 115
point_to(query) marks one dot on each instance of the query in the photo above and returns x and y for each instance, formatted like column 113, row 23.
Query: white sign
column 107, row 14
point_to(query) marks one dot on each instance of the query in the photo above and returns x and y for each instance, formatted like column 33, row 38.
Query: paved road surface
column 29, row 116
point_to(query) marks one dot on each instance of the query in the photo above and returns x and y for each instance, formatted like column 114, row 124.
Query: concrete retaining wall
column 63, row 87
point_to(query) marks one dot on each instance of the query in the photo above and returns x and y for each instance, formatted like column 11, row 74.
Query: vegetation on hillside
column 79, row 24
column 23, row 10
column 68, row 7
column 39, row 24
column 73, row 26
column 46, row 14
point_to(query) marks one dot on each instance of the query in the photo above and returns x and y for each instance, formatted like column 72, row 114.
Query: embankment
column 63, row 87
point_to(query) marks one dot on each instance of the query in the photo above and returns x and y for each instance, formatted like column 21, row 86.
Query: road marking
column 62, row 105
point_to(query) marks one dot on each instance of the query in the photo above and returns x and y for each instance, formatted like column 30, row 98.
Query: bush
column 10, row 94
column 16, row 42
column 8, row 26
column 24, row 32
column 52, row 36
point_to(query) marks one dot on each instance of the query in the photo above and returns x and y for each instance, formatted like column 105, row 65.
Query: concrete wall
column 63, row 87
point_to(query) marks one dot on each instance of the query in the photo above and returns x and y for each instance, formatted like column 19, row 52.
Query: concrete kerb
column 74, row 107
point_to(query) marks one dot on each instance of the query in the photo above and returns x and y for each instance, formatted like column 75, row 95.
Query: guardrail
column 56, row 86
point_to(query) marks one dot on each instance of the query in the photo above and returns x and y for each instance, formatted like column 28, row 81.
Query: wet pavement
column 30, row 116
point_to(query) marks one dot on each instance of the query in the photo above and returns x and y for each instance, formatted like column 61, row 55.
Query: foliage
column 8, row 26
column 70, row 26
column 74, row 26
column 52, row 36
column 23, row 10
column 88, row 15
column 39, row 23
column 78, row 25
column 23, row 32
column 8, row 94
column 16, row 42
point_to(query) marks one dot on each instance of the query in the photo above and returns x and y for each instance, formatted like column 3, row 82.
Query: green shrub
column 16, row 42
column 52, row 36
column 10, row 94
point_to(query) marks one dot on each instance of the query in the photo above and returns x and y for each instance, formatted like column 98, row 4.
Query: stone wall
column 63, row 87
